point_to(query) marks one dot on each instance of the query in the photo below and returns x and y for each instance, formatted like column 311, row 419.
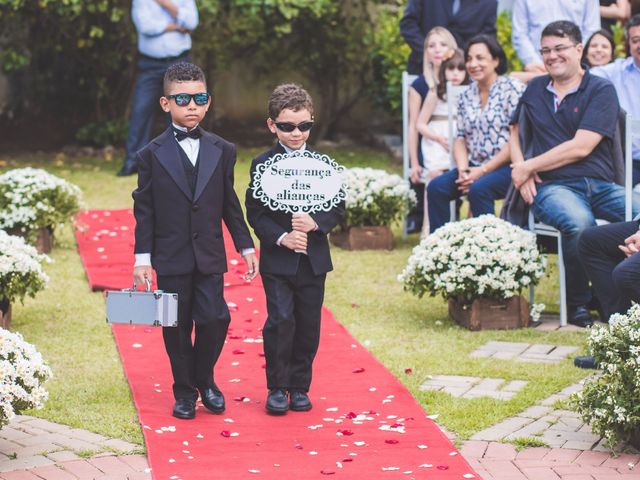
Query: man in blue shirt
column 531, row 16
column 624, row 73
column 164, row 28
column 568, row 177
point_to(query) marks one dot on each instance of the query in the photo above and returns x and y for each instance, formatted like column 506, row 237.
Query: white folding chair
column 407, row 80
column 632, row 129
column 453, row 92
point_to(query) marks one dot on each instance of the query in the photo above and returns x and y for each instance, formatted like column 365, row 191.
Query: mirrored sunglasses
column 184, row 99
column 289, row 127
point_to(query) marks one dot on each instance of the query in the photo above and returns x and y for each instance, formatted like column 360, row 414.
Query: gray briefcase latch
column 154, row 308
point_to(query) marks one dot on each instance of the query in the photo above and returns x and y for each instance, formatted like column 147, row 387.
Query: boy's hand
column 295, row 240
column 302, row 222
column 251, row 261
column 141, row 274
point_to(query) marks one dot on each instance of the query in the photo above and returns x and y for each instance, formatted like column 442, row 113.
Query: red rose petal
column 239, row 399
column 396, row 425
column 408, row 371
column 261, row 354
column 235, row 337
column 357, row 370
column 344, row 460
column 391, row 441
column 354, row 305
column 345, row 431
column 225, row 433
column 442, row 467
column 298, row 446
column 327, row 472
column 351, row 415
column 238, row 351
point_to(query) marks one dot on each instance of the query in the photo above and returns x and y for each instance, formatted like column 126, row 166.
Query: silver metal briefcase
column 155, row 308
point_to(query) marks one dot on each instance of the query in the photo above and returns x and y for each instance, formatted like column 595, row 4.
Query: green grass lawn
column 66, row 321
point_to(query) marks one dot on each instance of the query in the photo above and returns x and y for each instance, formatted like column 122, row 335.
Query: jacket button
column 195, row 235
column 195, row 207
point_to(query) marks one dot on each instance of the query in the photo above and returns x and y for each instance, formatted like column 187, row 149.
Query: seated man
column 568, row 180
column 624, row 73
column 609, row 256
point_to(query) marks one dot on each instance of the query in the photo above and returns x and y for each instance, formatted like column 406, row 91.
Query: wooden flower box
column 490, row 314
column 364, row 238
column 44, row 241
column 5, row 314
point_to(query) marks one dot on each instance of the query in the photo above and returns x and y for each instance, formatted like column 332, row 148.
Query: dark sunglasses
column 184, row 99
column 289, row 127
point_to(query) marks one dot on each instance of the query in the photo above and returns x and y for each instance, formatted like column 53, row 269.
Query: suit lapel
column 168, row 156
column 207, row 163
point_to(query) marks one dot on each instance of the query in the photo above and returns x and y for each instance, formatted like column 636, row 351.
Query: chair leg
column 562, row 284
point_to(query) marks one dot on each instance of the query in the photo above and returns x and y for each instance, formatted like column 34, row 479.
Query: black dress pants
column 292, row 331
column 614, row 276
column 200, row 303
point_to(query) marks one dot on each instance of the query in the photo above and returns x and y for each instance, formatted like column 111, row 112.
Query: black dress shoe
column 212, row 399
column 299, row 401
column 127, row 170
column 184, row 408
column 585, row 362
column 277, row 402
column 580, row 316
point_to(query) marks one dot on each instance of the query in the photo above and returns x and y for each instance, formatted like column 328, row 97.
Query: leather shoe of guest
column 184, row 408
column 127, row 170
column 585, row 362
column 277, row 402
column 299, row 401
column 213, row 400
column 580, row 316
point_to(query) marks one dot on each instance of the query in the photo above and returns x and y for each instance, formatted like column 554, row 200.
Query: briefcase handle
column 148, row 282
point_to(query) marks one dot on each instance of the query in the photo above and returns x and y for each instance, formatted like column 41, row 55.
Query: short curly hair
column 182, row 72
column 291, row 96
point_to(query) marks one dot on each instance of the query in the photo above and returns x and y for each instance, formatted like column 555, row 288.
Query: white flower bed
column 610, row 403
column 479, row 257
column 22, row 375
column 31, row 198
column 20, row 268
column 375, row 197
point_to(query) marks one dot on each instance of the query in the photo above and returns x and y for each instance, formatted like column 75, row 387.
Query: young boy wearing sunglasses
column 294, row 261
column 185, row 190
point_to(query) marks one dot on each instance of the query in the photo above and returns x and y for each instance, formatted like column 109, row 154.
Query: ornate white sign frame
column 314, row 174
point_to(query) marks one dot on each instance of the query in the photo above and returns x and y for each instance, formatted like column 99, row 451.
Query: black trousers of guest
column 200, row 303
column 614, row 276
column 292, row 331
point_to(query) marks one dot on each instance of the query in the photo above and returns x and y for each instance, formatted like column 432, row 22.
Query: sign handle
column 297, row 210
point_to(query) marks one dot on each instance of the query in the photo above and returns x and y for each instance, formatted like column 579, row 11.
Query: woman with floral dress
column 481, row 148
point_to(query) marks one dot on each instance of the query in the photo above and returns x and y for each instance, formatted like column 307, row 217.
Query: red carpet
column 364, row 424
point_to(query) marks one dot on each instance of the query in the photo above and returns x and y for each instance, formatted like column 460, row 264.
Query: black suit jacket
column 181, row 230
column 269, row 226
column 420, row 16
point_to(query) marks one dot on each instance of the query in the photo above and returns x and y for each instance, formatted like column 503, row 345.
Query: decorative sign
column 299, row 182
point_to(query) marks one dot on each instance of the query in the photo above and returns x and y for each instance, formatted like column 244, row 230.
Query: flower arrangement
column 20, row 269
column 610, row 403
column 22, row 375
column 482, row 257
column 31, row 199
column 375, row 197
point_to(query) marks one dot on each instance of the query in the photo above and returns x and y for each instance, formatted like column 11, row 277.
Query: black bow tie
column 195, row 133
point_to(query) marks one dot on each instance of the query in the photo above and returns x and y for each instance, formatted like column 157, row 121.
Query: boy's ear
column 164, row 103
column 271, row 125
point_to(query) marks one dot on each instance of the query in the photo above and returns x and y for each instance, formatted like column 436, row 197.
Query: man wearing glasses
column 568, row 118
column 164, row 37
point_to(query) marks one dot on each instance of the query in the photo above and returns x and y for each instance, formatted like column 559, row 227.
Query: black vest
column 190, row 170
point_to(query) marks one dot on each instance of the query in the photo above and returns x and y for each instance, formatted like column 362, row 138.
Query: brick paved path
column 36, row 449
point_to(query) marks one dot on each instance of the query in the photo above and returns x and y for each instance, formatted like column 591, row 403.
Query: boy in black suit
column 294, row 261
column 185, row 190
